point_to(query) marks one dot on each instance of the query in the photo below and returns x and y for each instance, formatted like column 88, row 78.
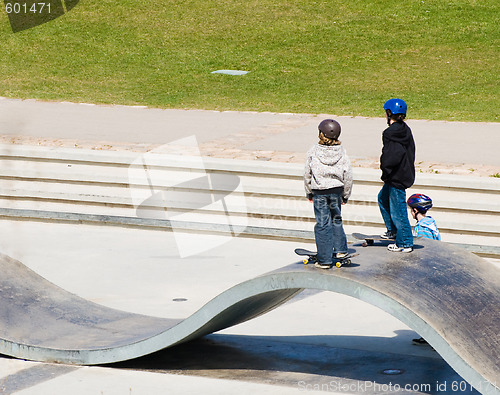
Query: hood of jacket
column 429, row 223
column 328, row 155
column 399, row 132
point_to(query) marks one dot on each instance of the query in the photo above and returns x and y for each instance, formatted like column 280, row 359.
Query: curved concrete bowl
column 448, row 296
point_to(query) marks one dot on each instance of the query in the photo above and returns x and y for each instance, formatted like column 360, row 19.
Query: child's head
column 395, row 110
column 419, row 204
column 329, row 132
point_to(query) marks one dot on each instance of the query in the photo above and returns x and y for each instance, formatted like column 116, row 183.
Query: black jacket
column 397, row 161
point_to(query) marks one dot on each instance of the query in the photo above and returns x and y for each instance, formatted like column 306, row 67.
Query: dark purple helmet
column 420, row 201
column 330, row 128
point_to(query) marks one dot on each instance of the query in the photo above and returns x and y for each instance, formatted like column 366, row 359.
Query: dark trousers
column 329, row 231
column 392, row 203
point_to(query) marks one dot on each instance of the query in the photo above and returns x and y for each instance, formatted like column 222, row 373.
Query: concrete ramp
column 449, row 296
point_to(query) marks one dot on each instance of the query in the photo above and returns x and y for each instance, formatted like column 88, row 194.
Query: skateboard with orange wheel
column 312, row 257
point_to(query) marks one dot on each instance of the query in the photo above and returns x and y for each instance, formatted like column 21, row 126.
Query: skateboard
column 369, row 240
column 312, row 257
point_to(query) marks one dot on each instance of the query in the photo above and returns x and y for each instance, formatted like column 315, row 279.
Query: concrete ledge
column 218, row 228
column 169, row 180
column 241, row 166
column 356, row 212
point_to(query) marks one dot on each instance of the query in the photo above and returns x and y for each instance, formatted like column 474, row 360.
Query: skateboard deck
column 312, row 257
column 369, row 240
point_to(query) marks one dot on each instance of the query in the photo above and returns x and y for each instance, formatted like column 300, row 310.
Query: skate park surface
column 318, row 341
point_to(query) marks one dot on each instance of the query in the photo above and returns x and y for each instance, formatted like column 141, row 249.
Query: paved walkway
column 445, row 147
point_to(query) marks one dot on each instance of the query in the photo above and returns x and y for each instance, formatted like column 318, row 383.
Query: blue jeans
column 392, row 204
column 328, row 231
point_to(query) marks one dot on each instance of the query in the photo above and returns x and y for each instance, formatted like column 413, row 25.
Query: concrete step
column 259, row 194
column 470, row 193
column 359, row 212
column 91, row 181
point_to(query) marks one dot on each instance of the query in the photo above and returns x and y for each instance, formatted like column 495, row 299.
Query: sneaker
column 323, row 265
column 341, row 255
column 395, row 248
column 388, row 235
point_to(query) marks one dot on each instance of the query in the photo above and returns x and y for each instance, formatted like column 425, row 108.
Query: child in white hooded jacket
column 328, row 184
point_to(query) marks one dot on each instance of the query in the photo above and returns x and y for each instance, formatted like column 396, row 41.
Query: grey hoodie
column 328, row 167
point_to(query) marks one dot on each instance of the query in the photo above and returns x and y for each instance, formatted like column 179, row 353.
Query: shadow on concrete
column 296, row 362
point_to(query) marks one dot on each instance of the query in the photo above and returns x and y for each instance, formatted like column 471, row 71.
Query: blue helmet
column 395, row 106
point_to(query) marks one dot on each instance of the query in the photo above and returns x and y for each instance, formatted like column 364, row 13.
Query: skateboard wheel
column 348, row 262
column 338, row 264
column 364, row 244
column 305, row 261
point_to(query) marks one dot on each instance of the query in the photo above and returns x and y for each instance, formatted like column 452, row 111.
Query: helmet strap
column 419, row 214
column 388, row 115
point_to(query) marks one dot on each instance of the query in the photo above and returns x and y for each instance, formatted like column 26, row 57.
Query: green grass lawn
column 334, row 57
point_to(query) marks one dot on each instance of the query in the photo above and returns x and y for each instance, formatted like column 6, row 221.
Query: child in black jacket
column 397, row 163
